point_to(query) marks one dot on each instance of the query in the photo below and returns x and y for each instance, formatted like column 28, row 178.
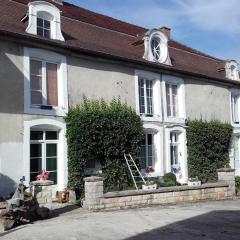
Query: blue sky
column 212, row 26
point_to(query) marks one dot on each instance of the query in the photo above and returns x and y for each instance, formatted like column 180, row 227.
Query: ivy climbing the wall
column 102, row 132
column 208, row 148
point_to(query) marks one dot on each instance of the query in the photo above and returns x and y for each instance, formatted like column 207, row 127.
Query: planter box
column 194, row 183
column 149, row 187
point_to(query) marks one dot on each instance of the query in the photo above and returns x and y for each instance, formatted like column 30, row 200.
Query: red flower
column 43, row 176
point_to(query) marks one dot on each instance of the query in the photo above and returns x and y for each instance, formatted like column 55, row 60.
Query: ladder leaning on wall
column 134, row 171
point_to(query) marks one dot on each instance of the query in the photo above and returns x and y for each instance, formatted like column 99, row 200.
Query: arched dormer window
column 44, row 20
column 232, row 71
column 44, row 24
column 156, row 47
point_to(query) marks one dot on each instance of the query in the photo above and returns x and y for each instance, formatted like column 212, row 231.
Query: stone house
column 53, row 53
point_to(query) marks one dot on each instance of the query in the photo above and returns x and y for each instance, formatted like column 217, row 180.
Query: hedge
column 208, row 148
column 100, row 131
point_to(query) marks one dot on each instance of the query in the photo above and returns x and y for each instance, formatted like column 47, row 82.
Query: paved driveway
column 209, row 220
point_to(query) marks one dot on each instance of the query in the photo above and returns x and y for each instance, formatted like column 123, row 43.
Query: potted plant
column 42, row 176
column 150, row 185
column 194, row 182
column 149, row 169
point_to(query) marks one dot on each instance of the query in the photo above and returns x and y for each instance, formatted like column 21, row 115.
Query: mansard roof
column 88, row 31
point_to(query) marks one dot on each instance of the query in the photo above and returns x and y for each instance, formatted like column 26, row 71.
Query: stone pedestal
column 228, row 176
column 42, row 191
column 93, row 191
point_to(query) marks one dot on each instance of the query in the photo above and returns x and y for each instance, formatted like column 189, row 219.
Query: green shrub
column 169, row 177
column 237, row 184
column 100, row 131
column 208, row 145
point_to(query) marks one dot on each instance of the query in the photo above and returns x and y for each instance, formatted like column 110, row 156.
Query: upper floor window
column 148, row 94
column 44, row 20
column 43, row 27
column 235, row 100
column 174, row 100
column 45, row 82
column 232, row 71
column 145, row 96
column 156, row 47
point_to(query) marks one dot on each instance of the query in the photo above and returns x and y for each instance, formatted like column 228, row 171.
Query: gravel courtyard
column 208, row 220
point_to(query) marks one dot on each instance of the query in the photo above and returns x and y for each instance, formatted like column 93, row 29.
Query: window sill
column 153, row 118
column 55, row 111
column 176, row 120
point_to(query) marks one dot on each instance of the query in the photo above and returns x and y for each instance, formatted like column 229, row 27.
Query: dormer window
column 43, row 27
column 232, row 71
column 156, row 47
column 44, row 20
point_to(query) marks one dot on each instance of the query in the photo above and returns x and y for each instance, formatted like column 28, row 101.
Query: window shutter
column 52, row 84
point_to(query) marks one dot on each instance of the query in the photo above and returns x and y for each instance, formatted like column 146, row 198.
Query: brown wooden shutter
column 52, row 84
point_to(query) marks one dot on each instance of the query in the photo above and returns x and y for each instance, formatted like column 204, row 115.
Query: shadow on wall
column 216, row 225
column 7, row 185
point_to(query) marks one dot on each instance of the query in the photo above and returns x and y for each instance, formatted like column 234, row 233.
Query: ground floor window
column 174, row 145
column 147, row 153
column 43, row 154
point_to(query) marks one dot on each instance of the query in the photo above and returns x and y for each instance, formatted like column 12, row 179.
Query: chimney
column 60, row 2
column 166, row 31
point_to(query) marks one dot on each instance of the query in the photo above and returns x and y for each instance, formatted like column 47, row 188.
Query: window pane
column 52, row 84
column 51, row 164
column 40, row 22
column 35, row 150
column 141, row 95
column 51, row 135
column 46, row 24
column 40, row 31
column 53, row 177
column 36, row 67
column 149, row 96
column 175, row 100
column 33, row 176
column 51, row 150
column 36, row 83
column 46, row 33
column 36, row 97
column 36, row 165
column 168, row 100
column 36, row 135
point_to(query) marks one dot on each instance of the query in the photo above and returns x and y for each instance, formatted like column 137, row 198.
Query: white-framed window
column 45, row 148
column 235, row 106
column 43, row 27
column 43, row 153
column 156, row 47
column 232, row 70
column 145, row 96
column 148, row 95
column 45, row 82
column 174, row 146
column 147, row 153
column 176, row 152
column 174, row 99
column 44, row 20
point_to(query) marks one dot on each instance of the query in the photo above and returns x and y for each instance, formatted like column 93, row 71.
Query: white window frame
column 47, row 124
column 167, row 79
column 44, row 9
column 182, row 149
column 51, row 57
column 236, row 93
column 164, row 54
column 156, row 103
column 232, row 70
column 158, row 145
column 43, row 142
